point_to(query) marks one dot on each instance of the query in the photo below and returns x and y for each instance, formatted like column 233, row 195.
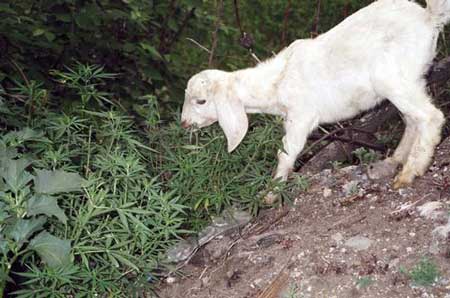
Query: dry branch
column 215, row 36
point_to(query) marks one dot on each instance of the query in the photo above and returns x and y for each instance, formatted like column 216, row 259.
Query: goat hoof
column 401, row 181
column 382, row 169
column 271, row 198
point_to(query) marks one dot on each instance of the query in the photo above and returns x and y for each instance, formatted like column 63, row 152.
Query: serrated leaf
column 53, row 251
column 43, row 204
column 13, row 171
column 22, row 229
column 52, row 182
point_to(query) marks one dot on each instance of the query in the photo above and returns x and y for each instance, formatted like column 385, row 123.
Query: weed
column 292, row 292
column 336, row 164
column 364, row 282
column 302, row 183
column 425, row 273
column 365, row 156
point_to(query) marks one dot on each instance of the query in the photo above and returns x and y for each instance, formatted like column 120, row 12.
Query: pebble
column 338, row 238
column 359, row 243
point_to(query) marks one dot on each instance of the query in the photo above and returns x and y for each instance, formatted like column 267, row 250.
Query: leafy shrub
column 146, row 183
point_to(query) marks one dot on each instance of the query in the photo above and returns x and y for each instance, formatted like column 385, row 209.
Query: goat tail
column 439, row 11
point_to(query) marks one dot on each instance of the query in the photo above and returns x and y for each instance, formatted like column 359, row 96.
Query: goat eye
column 201, row 101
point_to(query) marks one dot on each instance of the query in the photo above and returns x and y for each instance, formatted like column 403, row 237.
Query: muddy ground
column 346, row 236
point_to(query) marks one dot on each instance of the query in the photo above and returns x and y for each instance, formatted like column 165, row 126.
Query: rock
column 171, row 280
column 217, row 249
column 381, row 169
column 359, row 243
column 430, row 210
column 442, row 231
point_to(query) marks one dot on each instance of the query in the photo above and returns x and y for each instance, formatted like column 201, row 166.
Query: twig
column 349, row 220
column 273, row 290
column 287, row 13
column 199, row 45
column 180, row 30
column 315, row 30
column 238, row 18
column 254, row 56
column 333, row 133
column 376, row 147
column 163, row 33
column 215, row 35
column 17, row 67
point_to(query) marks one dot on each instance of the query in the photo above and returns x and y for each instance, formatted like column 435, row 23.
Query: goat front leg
column 297, row 131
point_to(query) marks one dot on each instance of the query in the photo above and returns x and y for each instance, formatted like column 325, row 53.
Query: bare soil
column 347, row 236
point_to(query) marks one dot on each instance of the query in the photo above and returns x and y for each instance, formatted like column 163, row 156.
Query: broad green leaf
column 53, row 251
column 24, row 228
column 3, row 246
column 43, row 204
column 50, row 36
column 13, row 171
column 3, row 211
column 24, row 135
column 52, row 182
column 6, row 153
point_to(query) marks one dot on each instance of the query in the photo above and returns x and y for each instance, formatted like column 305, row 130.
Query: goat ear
column 232, row 119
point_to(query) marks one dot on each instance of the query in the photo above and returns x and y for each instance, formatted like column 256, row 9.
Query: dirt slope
column 346, row 236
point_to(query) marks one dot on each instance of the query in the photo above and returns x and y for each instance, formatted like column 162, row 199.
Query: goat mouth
column 185, row 125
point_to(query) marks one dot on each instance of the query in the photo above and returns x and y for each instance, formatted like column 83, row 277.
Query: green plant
column 84, row 80
column 425, row 273
column 119, row 227
column 365, row 156
column 364, row 282
column 27, row 202
column 302, row 183
column 336, row 164
column 292, row 292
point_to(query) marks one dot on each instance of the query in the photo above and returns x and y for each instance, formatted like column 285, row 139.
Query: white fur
column 382, row 51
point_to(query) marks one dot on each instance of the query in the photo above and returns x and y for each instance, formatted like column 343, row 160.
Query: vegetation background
column 97, row 177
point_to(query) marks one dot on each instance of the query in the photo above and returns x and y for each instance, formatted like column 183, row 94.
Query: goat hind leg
column 429, row 127
column 425, row 121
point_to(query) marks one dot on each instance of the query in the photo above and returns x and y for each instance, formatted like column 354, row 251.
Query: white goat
column 380, row 52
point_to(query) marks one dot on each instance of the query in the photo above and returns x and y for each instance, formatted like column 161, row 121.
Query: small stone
column 393, row 264
column 327, row 193
column 359, row 243
column 171, row 280
column 409, row 250
column 338, row 238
